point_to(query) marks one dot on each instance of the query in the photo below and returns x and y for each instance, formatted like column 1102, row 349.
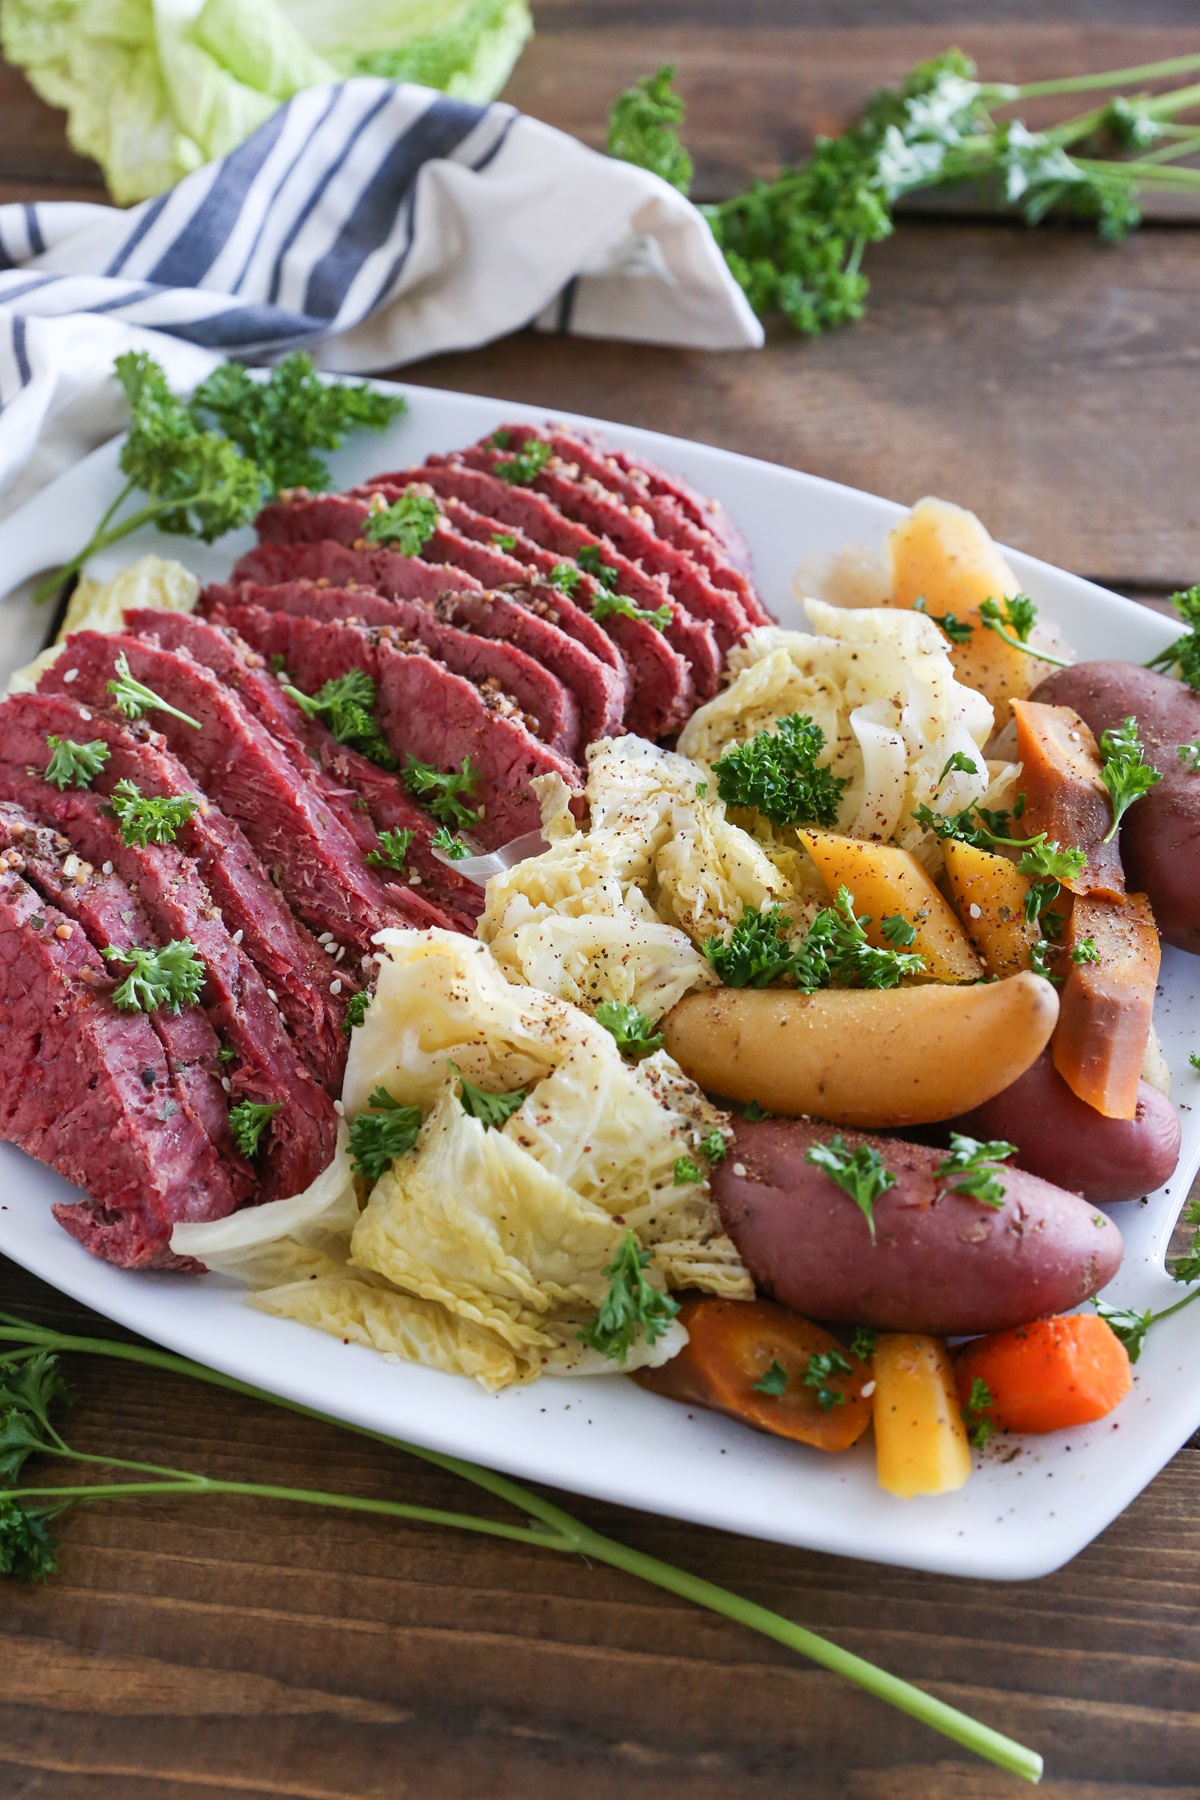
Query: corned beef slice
column 317, row 863
column 587, row 502
column 299, row 1139
column 662, row 696
column 698, row 507
column 104, row 909
column 341, row 776
column 425, row 711
column 538, row 693
column 86, row 1089
column 284, row 953
column 403, row 577
column 662, row 513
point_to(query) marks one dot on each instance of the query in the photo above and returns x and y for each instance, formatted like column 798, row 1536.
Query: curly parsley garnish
column 489, row 1109
column 525, row 465
column 634, row 1034
column 356, row 1010
column 605, row 605
column 956, row 629
column 756, row 951
column 973, row 1165
column 863, row 1343
column 345, row 706
column 642, row 128
column 392, row 849
column 565, row 577
column 822, row 1365
column 591, row 559
column 1184, row 653
column 74, row 765
column 979, row 1426
column 835, row 949
column 170, row 978
column 248, row 1120
column 632, row 1306
column 132, row 697
column 150, row 819
column 450, row 846
column 773, row 1382
column 1124, row 771
column 687, row 1171
column 778, row 774
column 859, row 1172
column 408, row 523
column 714, row 1147
column 380, row 1135
column 439, row 791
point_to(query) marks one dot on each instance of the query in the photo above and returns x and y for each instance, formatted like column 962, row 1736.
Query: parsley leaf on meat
column 439, row 792
column 859, row 1172
column 975, row 1163
column 635, row 1035
column 631, row 1306
column 381, row 1134
column 605, row 605
column 392, row 849
column 345, row 706
column 777, row 773
column 408, row 523
column 132, row 697
column 248, row 1120
column 591, row 559
column 642, row 128
column 504, row 540
column 490, row 1109
column 524, row 466
column 356, row 1010
column 1189, row 756
column 149, row 819
column 565, row 577
column 444, row 840
column 171, row 977
column 1124, row 771
column 74, row 765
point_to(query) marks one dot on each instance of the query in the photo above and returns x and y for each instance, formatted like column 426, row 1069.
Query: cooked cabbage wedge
column 482, row 1250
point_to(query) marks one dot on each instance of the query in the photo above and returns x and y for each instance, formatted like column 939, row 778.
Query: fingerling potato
column 863, row 1056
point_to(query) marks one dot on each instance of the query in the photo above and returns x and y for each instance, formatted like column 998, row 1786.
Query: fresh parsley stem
column 556, row 1530
column 1187, row 143
column 1060, row 662
column 104, row 535
column 1083, row 84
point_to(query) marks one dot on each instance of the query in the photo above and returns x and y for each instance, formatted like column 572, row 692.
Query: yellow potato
column 921, row 1443
column 990, row 895
column 941, row 553
column 887, row 881
column 864, row 1056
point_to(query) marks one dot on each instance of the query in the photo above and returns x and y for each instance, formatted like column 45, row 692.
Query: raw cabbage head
column 155, row 88
column 482, row 1251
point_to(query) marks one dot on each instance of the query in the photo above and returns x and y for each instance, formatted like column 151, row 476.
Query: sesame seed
column 84, row 713
column 106, row 868
column 326, row 937
column 367, row 962
column 71, row 675
column 272, row 995
column 70, row 866
column 237, row 936
column 339, row 1107
column 227, row 1084
column 330, row 949
column 975, row 910
column 868, row 1389
column 341, row 953
column 335, row 987
column 739, row 1168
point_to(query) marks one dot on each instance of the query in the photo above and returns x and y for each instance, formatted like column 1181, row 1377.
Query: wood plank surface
column 228, row 1648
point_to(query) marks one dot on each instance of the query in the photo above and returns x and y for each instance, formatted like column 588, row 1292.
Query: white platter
column 1014, row 1519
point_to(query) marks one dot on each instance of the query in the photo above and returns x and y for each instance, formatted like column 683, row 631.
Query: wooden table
column 234, row 1649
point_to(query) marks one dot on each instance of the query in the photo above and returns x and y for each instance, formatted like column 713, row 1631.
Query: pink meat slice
column 318, row 865
column 109, row 914
column 700, row 508
column 299, row 1138
column 403, row 577
column 425, row 711
column 281, row 949
column 87, row 1089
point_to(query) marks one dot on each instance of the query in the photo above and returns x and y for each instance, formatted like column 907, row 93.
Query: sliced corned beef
column 403, row 577
column 665, row 681
column 541, row 696
column 593, row 507
column 315, row 860
column 425, row 711
column 367, row 799
column 662, row 513
column 698, row 507
column 281, row 949
column 109, row 914
column 87, row 1089
column 299, row 1139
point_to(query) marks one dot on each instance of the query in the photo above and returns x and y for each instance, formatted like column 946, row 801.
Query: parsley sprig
column 821, row 1367
column 1043, row 858
column 523, row 466
column 777, row 773
column 591, row 559
column 1132, row 1326
column 980, row 1428
column 860, row 1172
column 773, row 1381
column 605, row 605
column 796, row 244
column 248, row 1120
column 169, row 978
column 345, row 705
column 1124, row 771
column 634, row 1034
column 632, row 1307
column 74, row 765
column 380, row 1133
column 972, row 1167
column 450, row 846
column 407, row 524
column 440, row 791
column 206, row 465
column 132, row 697
column 391, row 850
column 1012, row 620
column 959, row 631
column 148, row 818
column 1184, row 654
column 834, row 951
column 490, row 1109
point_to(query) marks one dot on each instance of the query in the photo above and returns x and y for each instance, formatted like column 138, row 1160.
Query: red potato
column 1160, row 834
column 940, row 1263
column 1066, row 1141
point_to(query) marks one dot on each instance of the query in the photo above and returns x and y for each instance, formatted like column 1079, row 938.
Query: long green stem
column 1060, row 662
column 104, row 535
column 1186, row 143
column 1114, row 78
column 565, row 1533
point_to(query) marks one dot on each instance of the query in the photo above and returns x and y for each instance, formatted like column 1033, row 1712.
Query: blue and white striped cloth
column 368, row 222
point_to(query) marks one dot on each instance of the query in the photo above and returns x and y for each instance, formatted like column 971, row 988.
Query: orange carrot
column 770, row 1368
column 1064, row 795
column 1104, row 1011
column 1046, row 1376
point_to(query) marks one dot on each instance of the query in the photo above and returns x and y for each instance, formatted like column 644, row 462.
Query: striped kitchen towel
column 369, row 222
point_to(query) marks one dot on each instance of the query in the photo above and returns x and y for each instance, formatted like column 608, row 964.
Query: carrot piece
column 735, row 1344
column 1104, row 1011
column 1064, row 795
column 1046, row 1376
column 990, row 893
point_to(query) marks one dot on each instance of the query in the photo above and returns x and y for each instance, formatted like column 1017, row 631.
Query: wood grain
column 210, row 1650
